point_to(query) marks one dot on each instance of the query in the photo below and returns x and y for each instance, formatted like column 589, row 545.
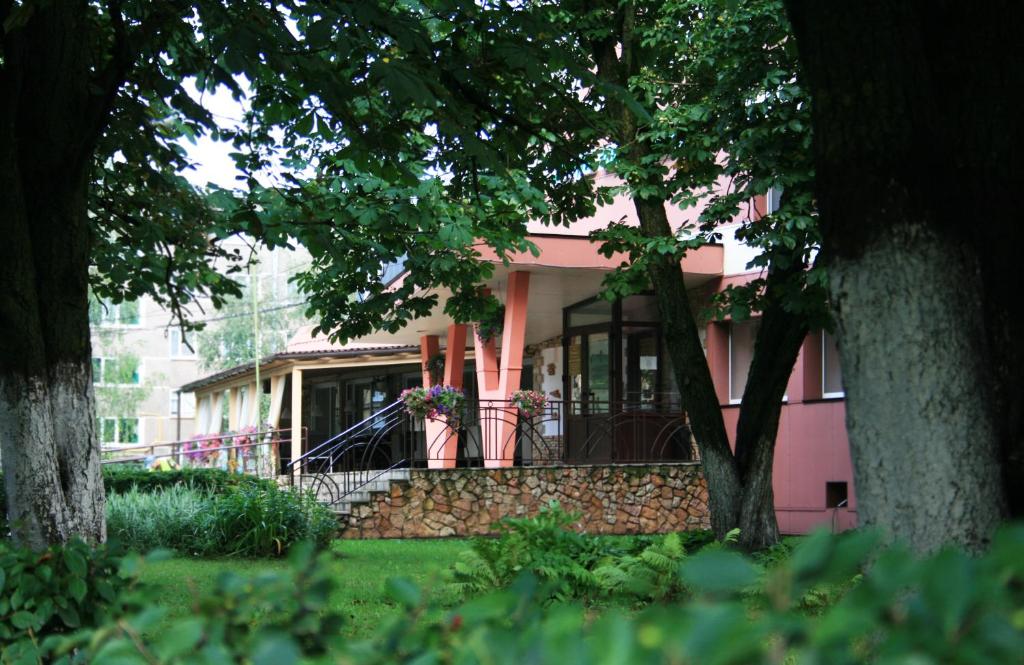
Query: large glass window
column 575, row 371
column 178, row 347
column 116, row 371
column 640, row 308
column 831, row 373
column 640, row 366
column 597, row 311
column 599, row 374
column 119, row 430
column 741, row 352
column 107, row 313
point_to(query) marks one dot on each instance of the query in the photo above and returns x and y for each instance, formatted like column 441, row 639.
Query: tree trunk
column 917, row 150
column 49, row 450
column 919, row 410
column 50, row 455
column 693, row 375
column 777, row 346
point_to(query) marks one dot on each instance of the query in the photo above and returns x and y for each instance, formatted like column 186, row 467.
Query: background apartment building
column 140, row 358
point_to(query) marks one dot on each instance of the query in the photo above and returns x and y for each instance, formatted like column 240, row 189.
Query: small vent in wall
column 835, row 494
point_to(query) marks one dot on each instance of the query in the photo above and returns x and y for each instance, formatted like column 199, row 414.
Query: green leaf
column 77, row 588
column 23, row 620
column 275, row 650
column 70, row 617
column 180, row 639
column 404, row 591
column 718, row 572
column 75, row 562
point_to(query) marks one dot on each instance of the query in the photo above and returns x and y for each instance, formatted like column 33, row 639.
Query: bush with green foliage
column 248, row 520
column 566, row 561
column 171, row 517
column 650, row 575
column 257, row 521
column 123, row 477
column 946, row 608
column 545, row 545
column 279, row 618
column 59, row 590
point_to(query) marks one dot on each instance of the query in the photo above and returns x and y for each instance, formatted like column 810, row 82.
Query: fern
column 650, row 575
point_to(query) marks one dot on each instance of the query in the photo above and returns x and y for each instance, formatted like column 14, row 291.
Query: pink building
column 612, row 399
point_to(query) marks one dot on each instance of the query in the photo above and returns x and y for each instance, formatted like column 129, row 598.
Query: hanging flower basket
column 435, row 402
column 491, row 326
column 529, row 402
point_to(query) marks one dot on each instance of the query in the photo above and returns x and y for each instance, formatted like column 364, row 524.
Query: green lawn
column 361, row 570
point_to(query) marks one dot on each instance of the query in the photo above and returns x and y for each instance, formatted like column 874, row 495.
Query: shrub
column 59, row 590
column 946, row 608
column 575, row 565
column 279, row 618
column 265, row 521
column 170, row 516
column 652, row 574
column 122, row 478
column 545, row 545
column 250, row 520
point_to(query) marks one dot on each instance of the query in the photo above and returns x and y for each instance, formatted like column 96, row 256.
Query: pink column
column 436, row 431
column 455, row 355
column 441, row 440
column 429, row 347
column 498, row 382
column 718, row 358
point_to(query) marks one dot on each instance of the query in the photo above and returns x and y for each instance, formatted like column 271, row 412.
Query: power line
column 211, row 319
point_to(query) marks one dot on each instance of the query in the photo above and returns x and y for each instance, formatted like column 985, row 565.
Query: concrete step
column 382, row 481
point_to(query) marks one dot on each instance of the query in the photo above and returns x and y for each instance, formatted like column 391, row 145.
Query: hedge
column 121, row 478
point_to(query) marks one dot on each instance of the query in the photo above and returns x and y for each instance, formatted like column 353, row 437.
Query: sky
column 211, row 158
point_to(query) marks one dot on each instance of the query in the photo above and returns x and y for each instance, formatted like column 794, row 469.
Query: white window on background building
column 178, row 347
column 831, row 372
column 107, row 313
column 186, row 402
column 741, row 352
column 118, row 430
column 116, row 371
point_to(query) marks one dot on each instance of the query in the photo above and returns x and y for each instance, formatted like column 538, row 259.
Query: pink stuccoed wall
column 811, row 448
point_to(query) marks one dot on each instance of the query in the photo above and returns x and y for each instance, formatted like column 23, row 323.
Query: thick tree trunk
column 49, row 450
column 917, row 147
column 51, row 464
column 920, row 416
column 50, row 455
column 693, row 375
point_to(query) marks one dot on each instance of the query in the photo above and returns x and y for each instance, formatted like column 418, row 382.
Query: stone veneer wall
column 465, row 502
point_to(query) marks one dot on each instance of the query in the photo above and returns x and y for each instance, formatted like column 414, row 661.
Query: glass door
column 590, row 392
column 640, row 365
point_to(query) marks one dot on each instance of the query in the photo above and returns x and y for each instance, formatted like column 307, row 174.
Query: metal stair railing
column 347, row 462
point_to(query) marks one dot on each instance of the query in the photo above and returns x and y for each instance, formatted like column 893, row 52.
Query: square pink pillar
column 441, row 440
column 498, row 382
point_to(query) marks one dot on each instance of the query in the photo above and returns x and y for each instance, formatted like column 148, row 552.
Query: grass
column 361, row 570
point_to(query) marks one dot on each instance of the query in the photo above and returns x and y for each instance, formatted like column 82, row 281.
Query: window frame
column 110, row 315
column 178, row 351
column 103, row 360
column 824, row 364
column 102, row 420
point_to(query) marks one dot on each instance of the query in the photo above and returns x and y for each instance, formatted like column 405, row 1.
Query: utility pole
column 254, row 283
